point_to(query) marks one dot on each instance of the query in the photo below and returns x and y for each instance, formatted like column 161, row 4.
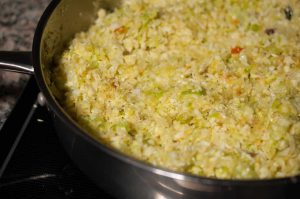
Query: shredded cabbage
column 210, row 88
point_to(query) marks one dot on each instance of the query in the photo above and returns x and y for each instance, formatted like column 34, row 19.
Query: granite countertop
column 18, row 19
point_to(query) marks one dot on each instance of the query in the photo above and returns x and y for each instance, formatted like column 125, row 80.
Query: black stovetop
column 33, row 164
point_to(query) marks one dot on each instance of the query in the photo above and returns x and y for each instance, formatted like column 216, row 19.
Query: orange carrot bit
column 120, row 30
column 236, row 22
column 239, row 91
column 236, row 50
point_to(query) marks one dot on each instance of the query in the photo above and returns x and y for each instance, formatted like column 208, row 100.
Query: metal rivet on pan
column 41, row 99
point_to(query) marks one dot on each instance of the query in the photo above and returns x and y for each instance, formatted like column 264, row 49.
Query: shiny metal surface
column 16, row 62
column 118, row 174
column 41, row 99
column 21, row 68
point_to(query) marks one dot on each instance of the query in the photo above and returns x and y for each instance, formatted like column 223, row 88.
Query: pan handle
column 15, row 61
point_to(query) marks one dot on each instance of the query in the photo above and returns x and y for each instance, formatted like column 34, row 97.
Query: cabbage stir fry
column 206, row 87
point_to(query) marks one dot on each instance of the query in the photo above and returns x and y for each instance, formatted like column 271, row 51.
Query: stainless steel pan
column 118, row 174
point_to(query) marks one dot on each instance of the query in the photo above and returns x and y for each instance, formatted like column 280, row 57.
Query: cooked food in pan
column 210, row 88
